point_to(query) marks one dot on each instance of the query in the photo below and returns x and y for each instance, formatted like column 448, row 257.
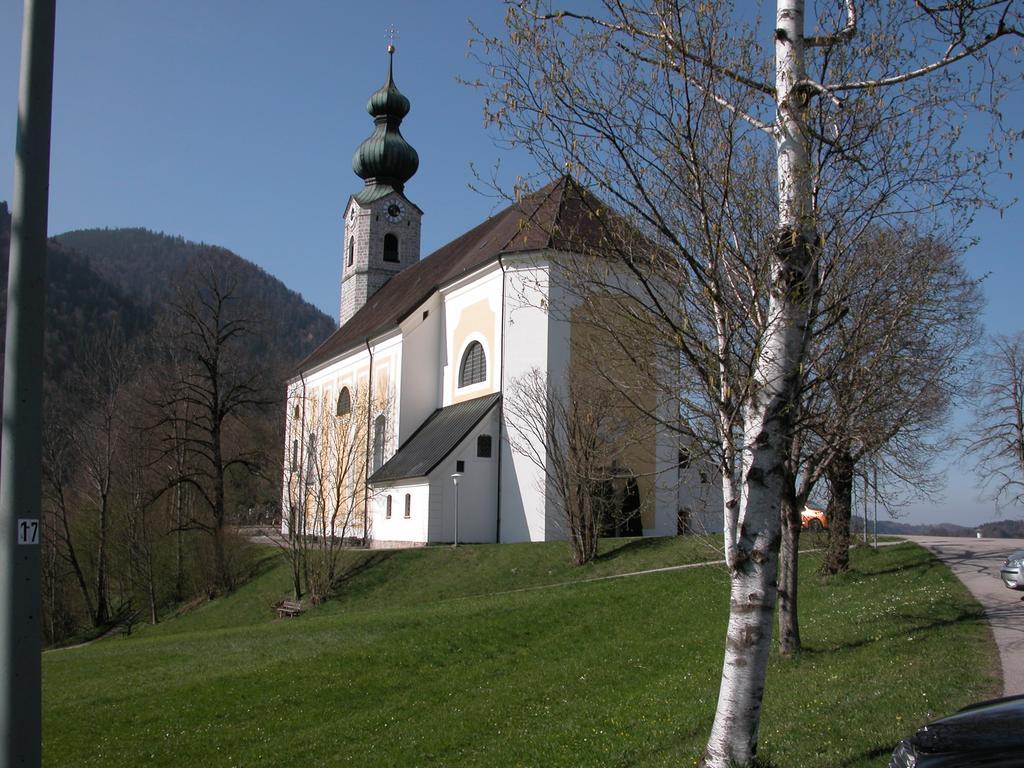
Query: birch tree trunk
column 767, row 427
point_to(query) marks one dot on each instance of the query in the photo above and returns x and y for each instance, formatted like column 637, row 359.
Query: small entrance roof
column 439, row 435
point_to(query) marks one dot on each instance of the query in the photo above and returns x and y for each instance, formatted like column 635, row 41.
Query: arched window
column 387, row 513
column 344, row 402
column 295, row 412
column 390, row 248
column 474, row 365
column 295, row 455
column 351, row 250
column 379, row 425
column 408, row 505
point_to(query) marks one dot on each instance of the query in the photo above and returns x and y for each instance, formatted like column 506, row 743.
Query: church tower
column 382, row 227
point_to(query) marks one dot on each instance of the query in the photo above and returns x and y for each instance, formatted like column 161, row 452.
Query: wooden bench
column 288, row 608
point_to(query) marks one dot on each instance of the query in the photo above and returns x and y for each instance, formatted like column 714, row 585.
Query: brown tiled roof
column 561, row 216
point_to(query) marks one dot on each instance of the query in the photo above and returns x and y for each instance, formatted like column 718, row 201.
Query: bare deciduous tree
column 100, row 433
column 580, row 440
column 997, row 440
column 885, row 365
column 203, row 407
column 674, row 111
column 325, row 483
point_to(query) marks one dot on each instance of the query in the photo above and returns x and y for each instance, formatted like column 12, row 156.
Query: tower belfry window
column 351, row 250
column 390, row 248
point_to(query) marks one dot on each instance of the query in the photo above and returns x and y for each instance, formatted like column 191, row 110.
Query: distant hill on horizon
column 997, row 529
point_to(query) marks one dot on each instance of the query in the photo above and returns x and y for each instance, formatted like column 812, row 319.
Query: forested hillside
column 165, row 368
column 79, row 304
column 148, row 266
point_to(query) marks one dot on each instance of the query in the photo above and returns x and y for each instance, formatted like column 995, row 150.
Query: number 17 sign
column 28, row 530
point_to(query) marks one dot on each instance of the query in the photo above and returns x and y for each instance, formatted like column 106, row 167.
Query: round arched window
column 473, row 369
column 344, row 402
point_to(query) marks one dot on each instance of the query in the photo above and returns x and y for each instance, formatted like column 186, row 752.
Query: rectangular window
column 408, row 505
column 387, row 514
column 311, row 462
column 483, row 446
column 460, row 466
column 684, row 458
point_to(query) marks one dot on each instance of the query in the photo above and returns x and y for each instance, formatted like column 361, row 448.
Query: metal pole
column 456, row 480
column 875, row 528
column 865, row 508
column 20, row 451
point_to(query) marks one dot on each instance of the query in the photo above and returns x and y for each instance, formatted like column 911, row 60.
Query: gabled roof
column 561, row 216
column 436, row 438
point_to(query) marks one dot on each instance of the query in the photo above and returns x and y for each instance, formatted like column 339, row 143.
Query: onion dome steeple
column 385, row 160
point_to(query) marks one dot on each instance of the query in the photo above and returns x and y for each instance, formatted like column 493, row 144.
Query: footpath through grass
column 419, row 664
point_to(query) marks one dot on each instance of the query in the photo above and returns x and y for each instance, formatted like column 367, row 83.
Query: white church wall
column 666, row 483
column 420, row 390
column 387, row 392
column 560, row 306
column 472, row 313
column 655, row 457
column 319, row 387
column 477, row 491
column 525, row 347
column 700, row 494
column 322, row 386
column 399, row 530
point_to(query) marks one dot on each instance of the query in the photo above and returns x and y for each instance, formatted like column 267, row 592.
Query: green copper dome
column 385, row 160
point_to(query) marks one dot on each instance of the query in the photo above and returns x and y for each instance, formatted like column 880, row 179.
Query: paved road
column 977, row 562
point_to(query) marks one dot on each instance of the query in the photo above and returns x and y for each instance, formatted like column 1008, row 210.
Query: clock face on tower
column 395, row 212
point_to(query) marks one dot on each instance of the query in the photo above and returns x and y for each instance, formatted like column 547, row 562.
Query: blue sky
column 234, row 122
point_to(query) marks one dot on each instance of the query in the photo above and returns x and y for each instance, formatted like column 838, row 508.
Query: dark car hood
column 990, row 725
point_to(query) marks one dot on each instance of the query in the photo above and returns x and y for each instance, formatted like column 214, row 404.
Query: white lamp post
column 455, row 481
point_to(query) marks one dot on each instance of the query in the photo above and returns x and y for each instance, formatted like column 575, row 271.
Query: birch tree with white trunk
column 672, row 112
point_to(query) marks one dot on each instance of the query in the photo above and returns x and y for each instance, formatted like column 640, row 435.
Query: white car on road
column 1013, row 570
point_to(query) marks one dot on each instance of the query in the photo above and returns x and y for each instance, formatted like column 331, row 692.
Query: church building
column 397, row 431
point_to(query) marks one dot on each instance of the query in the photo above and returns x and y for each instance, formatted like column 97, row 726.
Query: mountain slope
column 95, row 276
column 80, row 304
column 148, row 266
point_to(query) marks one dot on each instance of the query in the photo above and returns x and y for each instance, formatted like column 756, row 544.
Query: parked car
column 813, row 519
column 1013, row 570
column 985, row 735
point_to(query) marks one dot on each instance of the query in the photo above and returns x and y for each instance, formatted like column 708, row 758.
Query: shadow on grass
column 627, row 546
column 908, row 624
column 868, row 754
column 862, row 573
column 362, row 566
column 261, row 563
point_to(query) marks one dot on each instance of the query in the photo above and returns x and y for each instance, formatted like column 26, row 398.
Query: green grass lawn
column 421, row 663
